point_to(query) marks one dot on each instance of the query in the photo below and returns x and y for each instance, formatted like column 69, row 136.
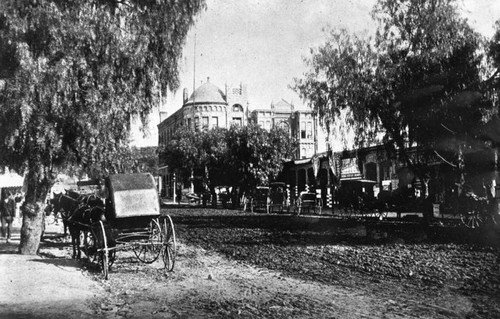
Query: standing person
column 8, row 213
column 2, row 211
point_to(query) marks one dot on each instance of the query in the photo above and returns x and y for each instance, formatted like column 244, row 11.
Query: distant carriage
column 271, row 199
column 277, row 198
column 257, row 200
column 307, row 202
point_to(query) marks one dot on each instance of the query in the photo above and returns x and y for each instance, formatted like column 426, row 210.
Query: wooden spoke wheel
column 471, row 219
column 148, row 249
column 169, row 252
column 103, row 249
column 87, row 238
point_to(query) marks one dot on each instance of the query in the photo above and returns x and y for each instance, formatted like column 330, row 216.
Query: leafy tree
column 74, row 74
column 418, row 81
column 256, row 155
column 241, row 157
column 182, row 153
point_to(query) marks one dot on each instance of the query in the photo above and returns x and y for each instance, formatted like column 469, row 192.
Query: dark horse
column 78, row 215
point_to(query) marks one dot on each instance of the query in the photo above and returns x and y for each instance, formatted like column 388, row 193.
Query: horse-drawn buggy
column 356, row 200
column 277, row 200
column 128, row 218
column 307, row 202
column 272, row 198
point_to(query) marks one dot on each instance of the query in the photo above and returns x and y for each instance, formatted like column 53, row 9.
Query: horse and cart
column 275, row 198
column 128, row 218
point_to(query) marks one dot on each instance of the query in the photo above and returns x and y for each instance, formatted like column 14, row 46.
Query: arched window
column 237, row 108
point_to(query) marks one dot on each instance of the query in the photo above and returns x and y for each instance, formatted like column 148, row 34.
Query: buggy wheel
column 169, row 253
column 50, row 219
column 103, row 254
column 89, row 245
column 471, row 219
column 148, row 250
column 90, row 249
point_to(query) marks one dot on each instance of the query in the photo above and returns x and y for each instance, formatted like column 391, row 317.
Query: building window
column 261, row 123
column 189, row 123
column 237, row 121
column 302, row 129
column 283, row 125
column 237, row 108
column 268, row 125
column 303, row 151
column 309, row 130
column 215, row 121
column 204, row 122
column 196, row 123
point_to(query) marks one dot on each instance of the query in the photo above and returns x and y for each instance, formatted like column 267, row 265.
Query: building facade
column 209, row 107
column 206, row 108
column 301, row 124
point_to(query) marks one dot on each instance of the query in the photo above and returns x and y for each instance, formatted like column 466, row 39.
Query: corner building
column 209, row 107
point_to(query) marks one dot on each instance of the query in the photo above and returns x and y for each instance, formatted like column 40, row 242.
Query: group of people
column 7, row 212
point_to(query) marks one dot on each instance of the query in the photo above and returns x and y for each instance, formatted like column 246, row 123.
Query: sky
column 261, row 44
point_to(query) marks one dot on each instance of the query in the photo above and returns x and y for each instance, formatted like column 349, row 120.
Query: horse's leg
column 75, row 234
column 71, row 231
column 79, row 252
column 65, row 224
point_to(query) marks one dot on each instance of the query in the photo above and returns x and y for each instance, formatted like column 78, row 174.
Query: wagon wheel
column 87, row 239
column 169, row 252
column 91, row 249
column 149, row 249
column 471, row 219
column 103, row 254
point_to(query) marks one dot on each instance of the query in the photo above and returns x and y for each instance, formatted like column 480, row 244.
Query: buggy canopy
column 133, row 195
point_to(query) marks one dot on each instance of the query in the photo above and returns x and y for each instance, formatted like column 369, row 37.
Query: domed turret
column 207, row 94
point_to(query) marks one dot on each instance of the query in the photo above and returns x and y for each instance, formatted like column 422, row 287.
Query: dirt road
column 229, row 271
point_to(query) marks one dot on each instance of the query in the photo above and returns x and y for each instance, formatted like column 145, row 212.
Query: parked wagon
column 277, row 201
column 258, row 199
column 129, row 219
column 307, row 202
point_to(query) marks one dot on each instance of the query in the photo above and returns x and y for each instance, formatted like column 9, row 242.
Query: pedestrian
column 8, row 213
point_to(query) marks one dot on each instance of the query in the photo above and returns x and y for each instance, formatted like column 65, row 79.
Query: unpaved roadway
column 225, row 271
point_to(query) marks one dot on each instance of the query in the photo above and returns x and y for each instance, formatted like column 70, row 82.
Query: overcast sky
column 262, row 43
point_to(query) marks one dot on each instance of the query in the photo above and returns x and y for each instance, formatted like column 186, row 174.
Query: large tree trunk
column 33, row 210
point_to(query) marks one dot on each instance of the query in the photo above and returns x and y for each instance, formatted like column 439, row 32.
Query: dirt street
column 228, row 271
